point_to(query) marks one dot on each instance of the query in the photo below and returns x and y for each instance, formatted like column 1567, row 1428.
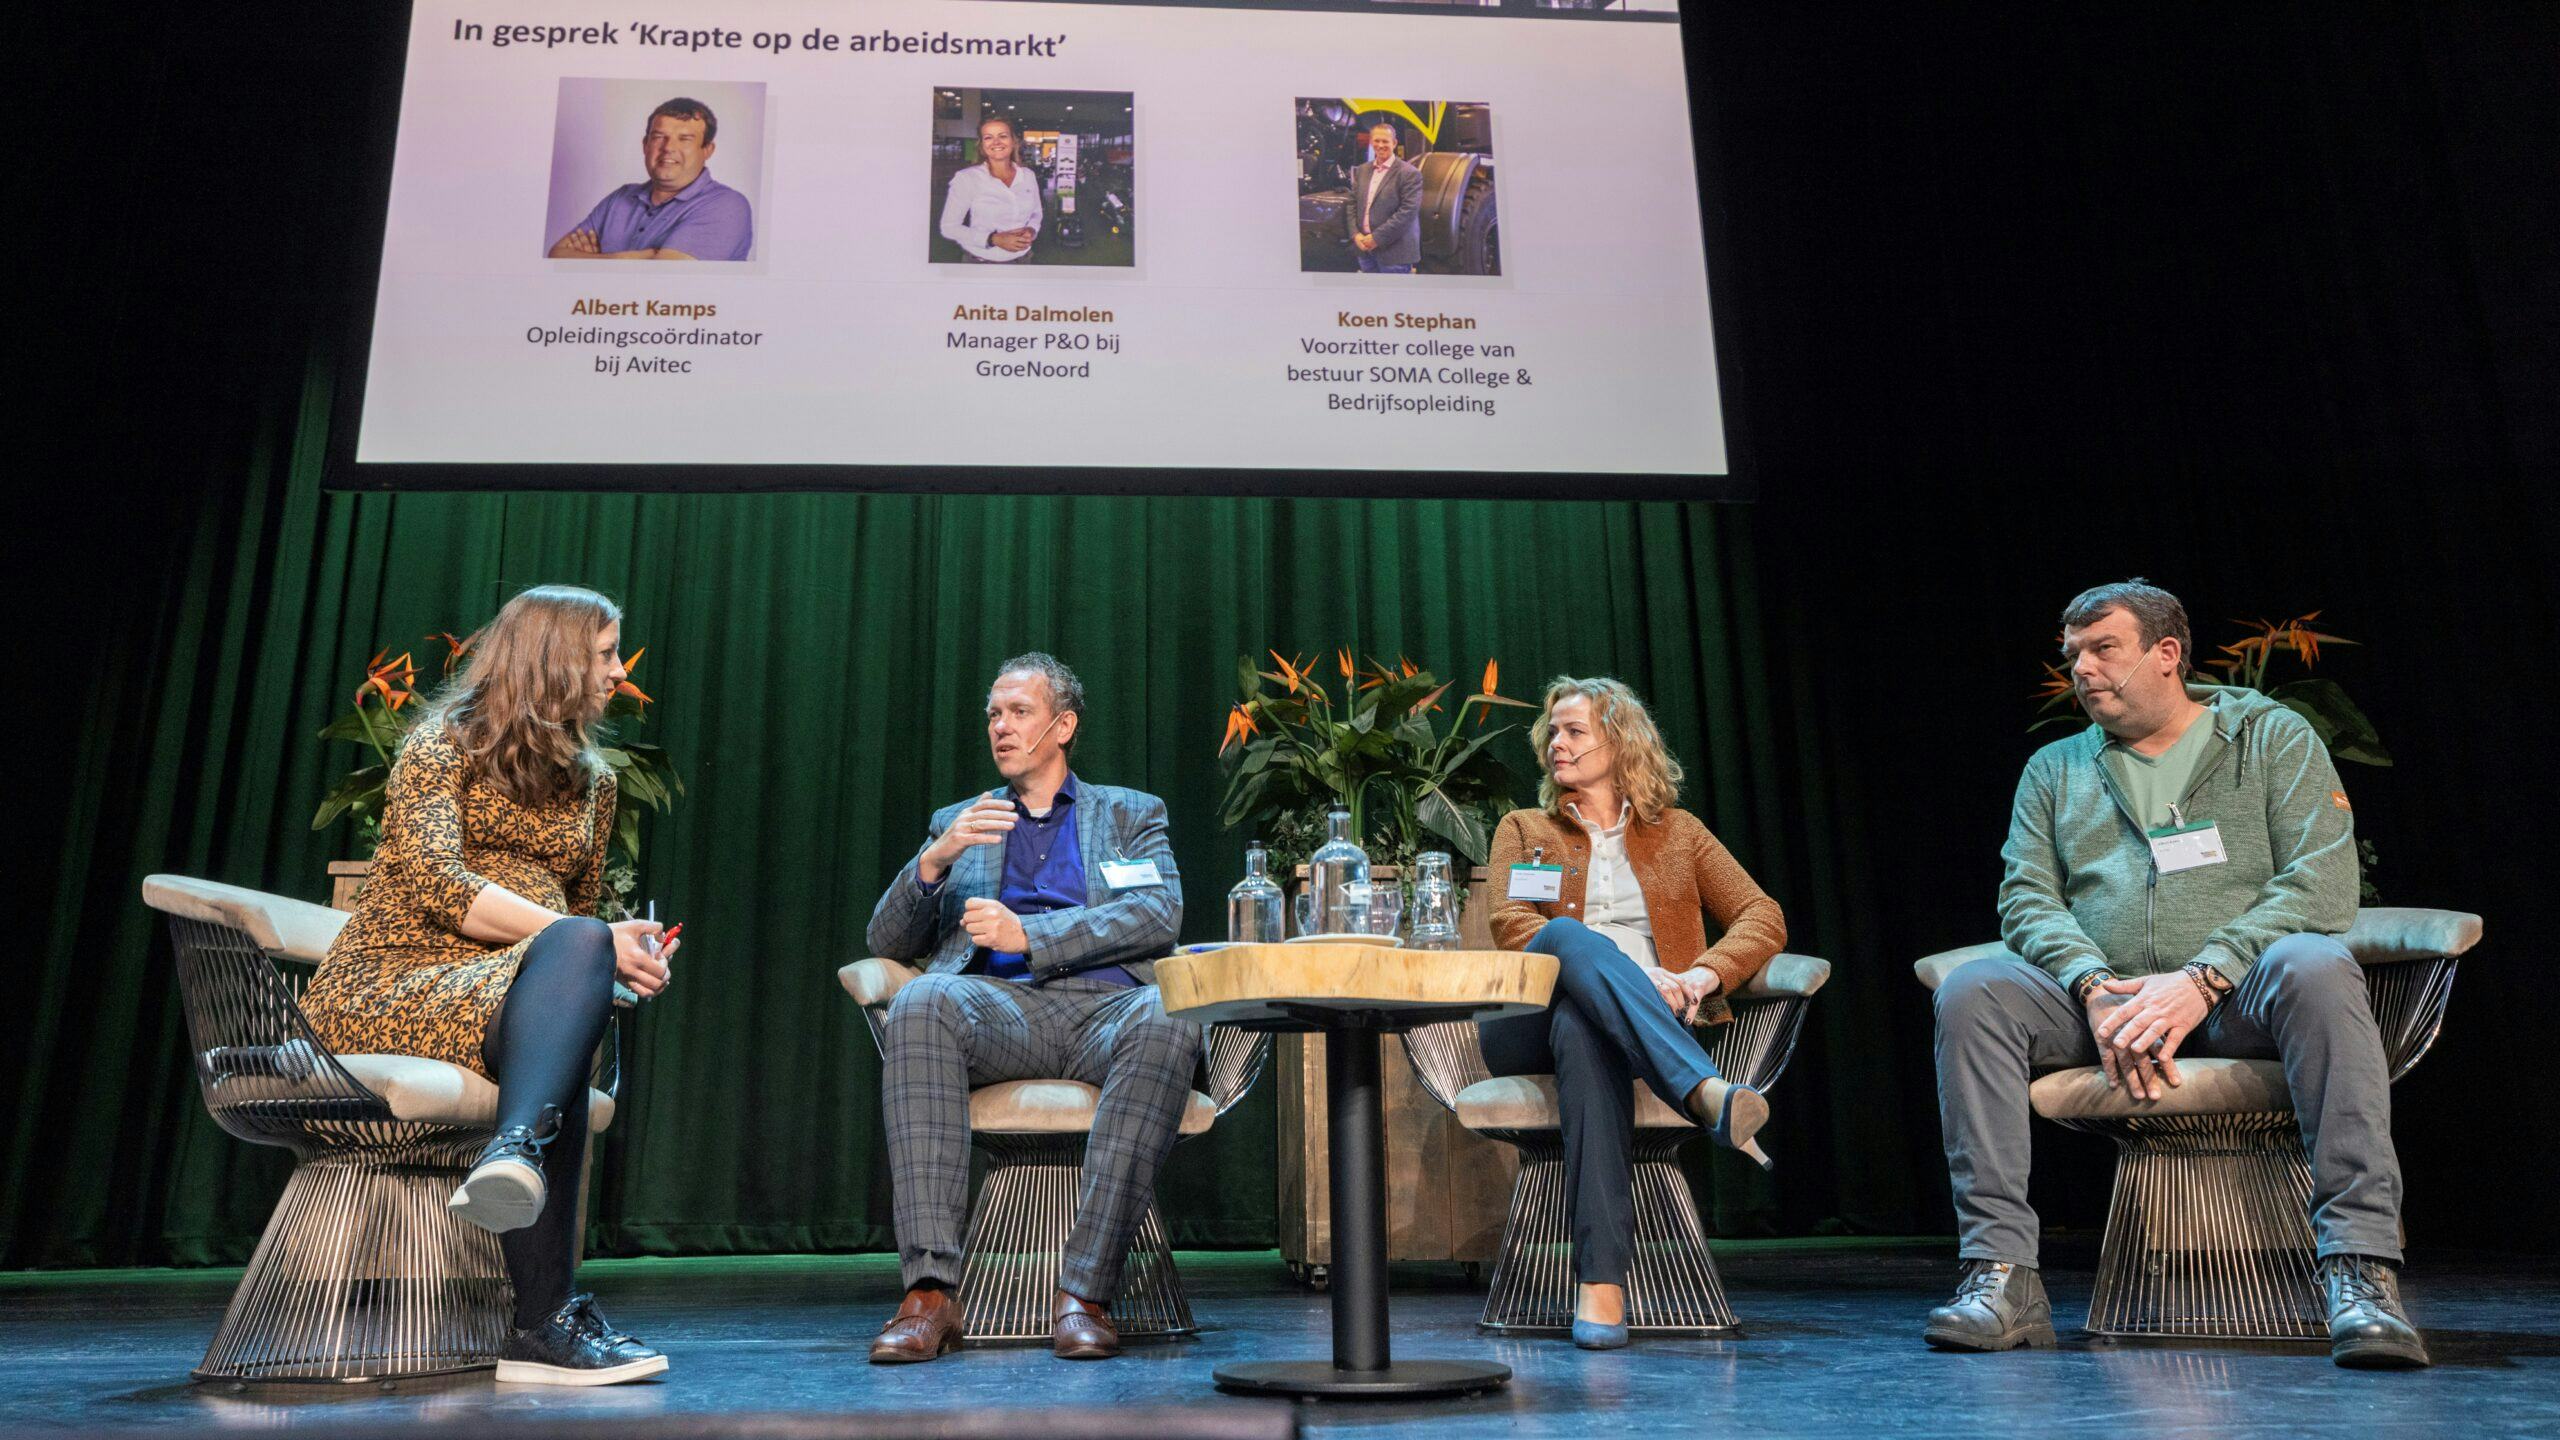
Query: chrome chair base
column 1018, row 1239
column 1672, row 1285
column 361, row 1276
column 2208, row 1232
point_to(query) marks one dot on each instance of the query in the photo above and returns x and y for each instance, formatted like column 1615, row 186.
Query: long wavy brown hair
column 523, row 710
column 1647, row 776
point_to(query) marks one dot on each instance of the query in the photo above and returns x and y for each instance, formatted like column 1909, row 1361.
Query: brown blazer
column 1682, row 869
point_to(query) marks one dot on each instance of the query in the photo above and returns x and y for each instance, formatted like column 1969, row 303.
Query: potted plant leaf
column 1295, row 748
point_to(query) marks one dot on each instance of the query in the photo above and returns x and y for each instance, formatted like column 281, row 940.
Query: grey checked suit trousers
column 947, row 1034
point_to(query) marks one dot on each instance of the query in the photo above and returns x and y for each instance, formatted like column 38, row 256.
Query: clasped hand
column 1683, row 992
column 633, row 964
column 991, row 925
column 2139, row 1033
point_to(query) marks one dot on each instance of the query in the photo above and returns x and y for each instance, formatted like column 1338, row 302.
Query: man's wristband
column 2089, row 981
column 2209, row 982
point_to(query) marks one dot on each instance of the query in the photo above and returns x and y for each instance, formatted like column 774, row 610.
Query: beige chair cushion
column 1786, row 975
column 1528, row 1102
column 426, row 1091
column 875, row 982
column 2385, row 933
column 1059, row 1107
column 1934, row 969
column 2209, row 1087
column 292, row 929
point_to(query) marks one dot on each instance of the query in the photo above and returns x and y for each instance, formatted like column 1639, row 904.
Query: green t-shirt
column 2153, row 783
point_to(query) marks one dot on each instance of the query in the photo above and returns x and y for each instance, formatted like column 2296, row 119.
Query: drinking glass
column 1386, row 906
column 1359, row 902
column 1306, row 908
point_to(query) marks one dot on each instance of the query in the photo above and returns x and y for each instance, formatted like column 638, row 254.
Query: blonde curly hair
column 1647, row 776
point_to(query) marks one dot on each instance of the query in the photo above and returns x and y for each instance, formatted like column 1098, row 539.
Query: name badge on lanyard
column 1536, row 882
column 2187, row 847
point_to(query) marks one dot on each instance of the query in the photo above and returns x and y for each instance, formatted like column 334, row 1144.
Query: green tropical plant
column 1293, row 751
column 380, row 721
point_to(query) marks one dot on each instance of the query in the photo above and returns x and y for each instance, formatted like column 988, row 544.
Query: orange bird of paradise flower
column 380, row 677
column 1239, row 726
column 1289, row 675
column 455, row 649
column 2057, row 684
column 625, row 687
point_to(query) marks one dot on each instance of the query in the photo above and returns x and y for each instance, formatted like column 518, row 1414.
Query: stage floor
column 1832, row 1349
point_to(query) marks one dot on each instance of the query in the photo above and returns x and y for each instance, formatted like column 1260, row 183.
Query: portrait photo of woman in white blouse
column 992, row 209
column 1036, row 177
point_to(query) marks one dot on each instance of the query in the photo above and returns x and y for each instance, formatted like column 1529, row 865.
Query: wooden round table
column 1354, row 994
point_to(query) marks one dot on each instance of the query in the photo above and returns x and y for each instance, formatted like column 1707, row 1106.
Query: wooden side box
column 1448, row 1189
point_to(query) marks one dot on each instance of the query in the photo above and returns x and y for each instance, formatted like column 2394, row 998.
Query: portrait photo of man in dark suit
column 1385, row 214
column 1396, row 187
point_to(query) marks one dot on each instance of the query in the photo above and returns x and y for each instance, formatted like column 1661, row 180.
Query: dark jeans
column 1606, row 1028
column 540, row 1049
column 1370, row 265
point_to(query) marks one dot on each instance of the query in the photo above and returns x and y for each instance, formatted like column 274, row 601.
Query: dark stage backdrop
column 2253, row 302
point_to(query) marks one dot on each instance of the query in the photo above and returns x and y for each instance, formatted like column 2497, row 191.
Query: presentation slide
column 1026, row 237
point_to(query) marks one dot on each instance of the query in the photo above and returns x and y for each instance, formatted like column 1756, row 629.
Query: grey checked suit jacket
column 1128, row 928
column 1396, row 218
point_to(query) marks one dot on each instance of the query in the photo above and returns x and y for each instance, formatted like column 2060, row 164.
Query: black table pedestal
column 1361, row 1365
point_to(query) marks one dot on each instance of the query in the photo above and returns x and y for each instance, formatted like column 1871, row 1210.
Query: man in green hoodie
column 2176, row 879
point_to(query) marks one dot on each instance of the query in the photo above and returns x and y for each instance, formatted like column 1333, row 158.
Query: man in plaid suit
column 1037, row 908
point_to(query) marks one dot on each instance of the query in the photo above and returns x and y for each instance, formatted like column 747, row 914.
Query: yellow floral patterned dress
column 402, row 978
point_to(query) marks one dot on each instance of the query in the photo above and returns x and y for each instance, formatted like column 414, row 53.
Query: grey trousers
column 948, row 1034
column 2003, row 1021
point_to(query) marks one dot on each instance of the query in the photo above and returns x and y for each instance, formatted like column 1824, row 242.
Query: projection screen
column 1010, row 244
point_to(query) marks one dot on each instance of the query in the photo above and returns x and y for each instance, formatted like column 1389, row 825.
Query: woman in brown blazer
column 1633, row 882
column 475, row 943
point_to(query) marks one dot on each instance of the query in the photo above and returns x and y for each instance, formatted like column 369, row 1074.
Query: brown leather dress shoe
column 926, row 1327
column 1080, row 1329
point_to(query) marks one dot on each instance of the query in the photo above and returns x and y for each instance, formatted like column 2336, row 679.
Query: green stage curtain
column 819, row 662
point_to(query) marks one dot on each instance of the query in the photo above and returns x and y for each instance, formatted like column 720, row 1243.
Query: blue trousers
column 1605, row 1029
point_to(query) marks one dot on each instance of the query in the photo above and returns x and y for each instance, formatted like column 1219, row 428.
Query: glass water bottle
column 1435, row 904
column 1339, row 862
column 1255, row 906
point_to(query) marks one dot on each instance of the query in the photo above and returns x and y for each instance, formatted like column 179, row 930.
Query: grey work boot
column 2367, row 1328
column 1999, row 1306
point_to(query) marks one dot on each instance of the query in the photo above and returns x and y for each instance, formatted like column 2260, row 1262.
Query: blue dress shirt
column 1043, row 871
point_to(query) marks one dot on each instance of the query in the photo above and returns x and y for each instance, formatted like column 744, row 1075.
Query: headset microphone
column 1594, row 750
column 1043, row 735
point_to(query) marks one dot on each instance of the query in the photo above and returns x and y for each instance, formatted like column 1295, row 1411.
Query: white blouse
column 1612, row 900
column 978, row 205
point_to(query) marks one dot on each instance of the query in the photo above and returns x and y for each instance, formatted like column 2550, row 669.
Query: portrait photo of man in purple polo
column 679, row 212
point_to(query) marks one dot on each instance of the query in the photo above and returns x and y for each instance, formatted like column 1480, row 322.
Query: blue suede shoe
column 1732, row 1114
column 1592, row 1335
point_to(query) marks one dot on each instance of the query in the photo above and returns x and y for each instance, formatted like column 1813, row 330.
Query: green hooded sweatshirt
column 2080, row 891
